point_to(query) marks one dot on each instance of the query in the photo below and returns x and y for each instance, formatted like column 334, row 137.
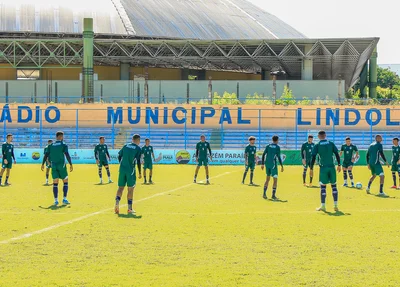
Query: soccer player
column 57, row 152
column 102, row 157
column 375, row 152
column 148, row 157
column 203, row 150
column 350, row 155
column 48, row 163
column 128, row 157
column 327, row 174
column 306, row 155
column 395, row 161
column 250, row 159
column 7, row 150
column 271, row 154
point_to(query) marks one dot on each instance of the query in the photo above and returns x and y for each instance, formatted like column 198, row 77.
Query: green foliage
column 226, row 99
column 387, row 78
column 257, row 99
column 305, row 102
column 287, row 97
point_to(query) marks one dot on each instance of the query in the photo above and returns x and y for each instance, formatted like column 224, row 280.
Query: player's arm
column 108, row 154
column 197, row 152
column 314, row 157
column 357, row 154
column 209, row 151
column 303, row 154
column 12, row 155
column 68, row 157
column 279, row 158
column 96, row 155
column 120, row 155
column 152, row 154
column 263, row 157
column 45, row 158
column 381, row 153
column 139, row 164
column 245, row 157
column 4, row 151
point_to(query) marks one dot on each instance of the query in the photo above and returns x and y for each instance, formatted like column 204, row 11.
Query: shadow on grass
column 313, row 187
column 278, row 200
column 54, row 207
column 47, row 184
column 132, row 216
column 203, row 183
column 254, row 185
column 337, row 213
column 383, row 196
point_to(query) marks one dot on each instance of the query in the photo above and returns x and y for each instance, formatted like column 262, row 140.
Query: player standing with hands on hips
column 203, row 150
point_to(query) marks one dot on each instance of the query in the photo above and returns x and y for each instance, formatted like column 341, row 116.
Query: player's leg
column 8, row 170
column 207, row 174
column 47, row 175
column 324, row 180
column 151, row 174
column 371, row 180
column 345, row 175
column 266, row 184
column 122, row 180
column 145, row 175
column 335, row 193
column 56, row 176
column 100, row 171
column 107, row 167
column 398, row 172
column 394, row 179
column 252, row 174
column 350, row 171
column 64, row 177
column 274, row 187
column 382, row 182
column 131, row 183
column 246, row 169
column 197, row 171
column 311, row 176
column 1, row 173
column 304, row 175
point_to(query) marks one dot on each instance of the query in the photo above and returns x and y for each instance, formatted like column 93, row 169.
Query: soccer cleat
column 305, row 184
column 151, row 182
column 194, row 181
column 56, row 202
column 110, row 181
column 382, row 194
column 394, row 187
column 265, row 196
column 242, row 182
column 208, row 182
column 336, row 208
column 145, row 182
column 131, row 211
column 7, row 184
column 101, row 181
column 65, row 201
column 321, row 208
column 345, row 184
column 368, row 190
column 116, row 209
column 352, row 185
column 251, row 183
column 274, row 198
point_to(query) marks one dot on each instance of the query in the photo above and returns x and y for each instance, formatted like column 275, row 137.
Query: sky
column 343, row 19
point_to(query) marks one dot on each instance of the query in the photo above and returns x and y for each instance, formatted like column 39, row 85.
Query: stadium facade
column 170, row 40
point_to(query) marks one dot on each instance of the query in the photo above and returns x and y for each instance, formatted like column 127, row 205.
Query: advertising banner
column 168, row 156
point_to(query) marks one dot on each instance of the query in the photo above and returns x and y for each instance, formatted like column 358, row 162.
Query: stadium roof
column 183, row 19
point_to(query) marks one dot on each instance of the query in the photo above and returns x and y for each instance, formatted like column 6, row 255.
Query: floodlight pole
column 87, row 70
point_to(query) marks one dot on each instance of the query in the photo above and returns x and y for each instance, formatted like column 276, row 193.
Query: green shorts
column 203, row 161
column 59, row 171
column 347, row 164
column 308, row 164
column 8, row 165
column 48, row 165
column 148, row 165
column 395, row 168
column 327, row 175
column 251, row 166
column 271, row 171
column 376, row 169
column 126, row 178
column 103, row 163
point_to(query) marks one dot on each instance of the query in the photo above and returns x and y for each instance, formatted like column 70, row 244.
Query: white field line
column 52, row 227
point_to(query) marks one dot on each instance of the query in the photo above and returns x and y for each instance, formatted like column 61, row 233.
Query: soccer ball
column 359, row 185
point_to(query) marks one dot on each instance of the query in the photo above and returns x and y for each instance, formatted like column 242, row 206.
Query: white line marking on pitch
column 30, row 234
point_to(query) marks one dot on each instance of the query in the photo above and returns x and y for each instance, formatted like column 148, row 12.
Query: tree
column 387, row 78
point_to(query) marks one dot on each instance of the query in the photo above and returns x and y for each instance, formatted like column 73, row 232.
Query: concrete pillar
column 364, row 81
column 87, row 70
column 201, row 75
column 265, row 75
column 373, row 74
column 124, row 71
column 307, row 65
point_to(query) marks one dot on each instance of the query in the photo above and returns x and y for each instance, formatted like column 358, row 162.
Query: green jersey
column 101, row 152
column 250, row 152
column 147, row 152
column 7, row 150
column 395, row 154
column 306, row 151
column 129, row 156
column 201, row 150
column 375, row 151
column 348, row 151
column 56, row 152
column 271, row 154
column 46, row 149
column 326, row 150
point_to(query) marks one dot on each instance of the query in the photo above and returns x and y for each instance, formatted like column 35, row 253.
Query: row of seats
column 178, row 139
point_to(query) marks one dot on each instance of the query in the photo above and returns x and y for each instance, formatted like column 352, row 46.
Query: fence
column 179, row 127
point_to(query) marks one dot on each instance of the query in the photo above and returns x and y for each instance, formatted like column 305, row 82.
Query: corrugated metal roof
column 186, row 19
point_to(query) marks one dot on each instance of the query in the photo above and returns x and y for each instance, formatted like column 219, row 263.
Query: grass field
column 185, row 234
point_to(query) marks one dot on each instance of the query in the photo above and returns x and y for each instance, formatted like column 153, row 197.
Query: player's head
column 275, row 139
column 60, row 136
column 147, row 141
column 348, row 141
column 49, row 141
column 203, row 138
column 136, row 139
column 322, row 135
column 310, row 138
column 102, row 140
column 9, row 138
column 396, row 141
column 252, row 140
column 378, row 138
